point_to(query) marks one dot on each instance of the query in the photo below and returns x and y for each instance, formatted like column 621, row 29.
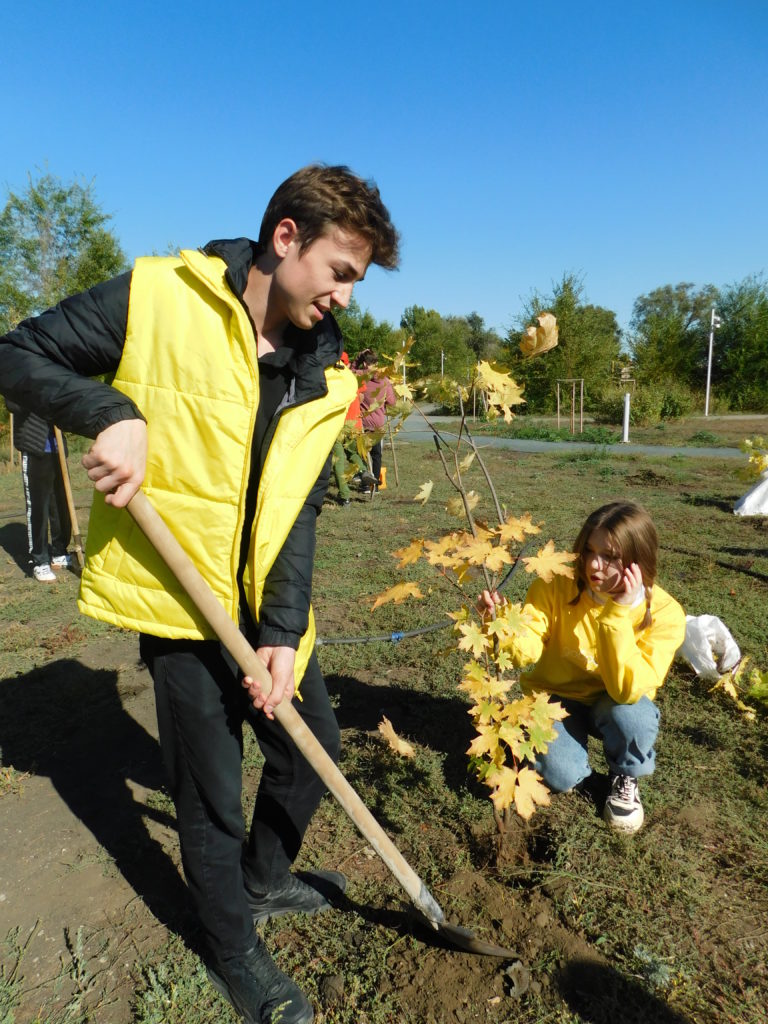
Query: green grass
column 674, row 918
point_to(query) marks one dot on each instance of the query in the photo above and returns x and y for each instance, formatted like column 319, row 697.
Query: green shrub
column 649, row 403
column 644, row 406
column 678, row 400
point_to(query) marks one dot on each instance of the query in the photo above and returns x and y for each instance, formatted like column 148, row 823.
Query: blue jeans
column 628, row 732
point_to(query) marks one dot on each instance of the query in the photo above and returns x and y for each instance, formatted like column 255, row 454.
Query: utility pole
column 714, row 323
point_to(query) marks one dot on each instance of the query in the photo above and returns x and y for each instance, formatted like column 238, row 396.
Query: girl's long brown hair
column 634, row 537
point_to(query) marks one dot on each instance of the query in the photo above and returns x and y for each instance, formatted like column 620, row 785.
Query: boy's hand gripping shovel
column 215, row 614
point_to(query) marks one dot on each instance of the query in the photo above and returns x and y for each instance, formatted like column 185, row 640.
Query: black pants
column 201, row 707
column 46, row 501
column 376, row 460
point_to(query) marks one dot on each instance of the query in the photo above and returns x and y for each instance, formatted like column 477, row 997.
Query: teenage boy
column 227, row 397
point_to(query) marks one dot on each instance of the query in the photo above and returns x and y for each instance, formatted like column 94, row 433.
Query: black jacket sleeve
column 284, row 613
column 46, row 362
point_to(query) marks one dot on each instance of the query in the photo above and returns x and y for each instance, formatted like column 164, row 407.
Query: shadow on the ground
column 602, row 995
column 744, row 568
column 438, row 722
column 66, row 721
column 13, row 540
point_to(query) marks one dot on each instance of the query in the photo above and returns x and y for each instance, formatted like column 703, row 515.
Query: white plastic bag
column 755, row 501
column 708, row 647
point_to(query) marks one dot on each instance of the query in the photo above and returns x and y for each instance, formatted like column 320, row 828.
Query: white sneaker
column 61, row 562
column 44, row 573
column 623, row 810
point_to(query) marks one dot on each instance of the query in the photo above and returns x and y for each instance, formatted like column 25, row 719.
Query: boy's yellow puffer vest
column 189, row 363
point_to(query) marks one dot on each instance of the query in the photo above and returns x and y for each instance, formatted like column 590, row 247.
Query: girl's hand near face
column 630, row 587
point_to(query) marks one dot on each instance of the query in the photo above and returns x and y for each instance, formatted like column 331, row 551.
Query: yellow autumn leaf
column 511, row 734
column 513, row 620
column 504, row 660
column 499, row 389
column 540, row 339
column 397, row 594
column 545, row 709
column 486, row 741
column 497, row 557
column 398, row 360
column 475, row 552
column 462, row 615
column 456, row 505
column 481, row 685
column 474, row 674
column 529, row 791
column 410, row 554
column 462, row 570
column 436, row 551
column 548, row 562
column 485, row 712
column 399, row 745
column 467, row 461
column 503, row 781
column 424, row 492
column 514, row 528
column 473, row 639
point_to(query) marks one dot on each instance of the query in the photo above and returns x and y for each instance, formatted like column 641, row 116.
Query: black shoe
column 302, row 892
column 258, row 990
column 368, row 481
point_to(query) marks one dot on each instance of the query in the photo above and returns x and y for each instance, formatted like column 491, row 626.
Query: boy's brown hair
column 319, row 197
column 634, row 537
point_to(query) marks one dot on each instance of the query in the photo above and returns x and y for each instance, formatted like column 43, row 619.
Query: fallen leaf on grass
column 397, row 594
column 400, row 746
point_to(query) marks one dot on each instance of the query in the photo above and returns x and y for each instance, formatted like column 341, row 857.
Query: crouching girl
column 602, row 644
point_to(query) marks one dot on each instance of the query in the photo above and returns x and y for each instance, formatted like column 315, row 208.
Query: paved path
column 414, row 430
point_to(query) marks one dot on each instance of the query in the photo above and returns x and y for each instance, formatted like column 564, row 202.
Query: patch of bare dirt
column 88, row 873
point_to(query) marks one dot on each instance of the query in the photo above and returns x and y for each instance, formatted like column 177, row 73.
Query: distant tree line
column 55, row 239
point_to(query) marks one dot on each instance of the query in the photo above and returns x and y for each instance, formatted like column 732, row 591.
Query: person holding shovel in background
column 227, row 398
column 44, row 494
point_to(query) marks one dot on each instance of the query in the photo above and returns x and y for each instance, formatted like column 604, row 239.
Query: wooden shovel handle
column 216, row 615
column 77, row 539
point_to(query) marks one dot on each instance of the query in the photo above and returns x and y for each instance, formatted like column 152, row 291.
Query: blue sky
column 623, row 142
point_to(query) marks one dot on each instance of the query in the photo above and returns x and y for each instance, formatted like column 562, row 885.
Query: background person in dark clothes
column 44, row 493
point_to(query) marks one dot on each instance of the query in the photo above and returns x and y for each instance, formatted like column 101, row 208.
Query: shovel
column 77, row 540
column 233, row 640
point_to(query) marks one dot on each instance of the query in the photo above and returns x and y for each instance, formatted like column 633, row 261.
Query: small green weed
column 705, row 438
column 11, row 782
